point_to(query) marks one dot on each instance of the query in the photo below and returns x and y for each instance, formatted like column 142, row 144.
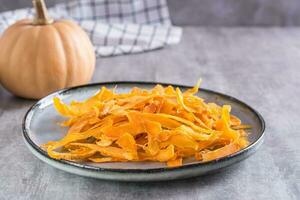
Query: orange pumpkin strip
column 175, row 163
column 162, row 124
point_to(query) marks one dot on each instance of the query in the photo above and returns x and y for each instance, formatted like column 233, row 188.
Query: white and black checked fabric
column 115, row 26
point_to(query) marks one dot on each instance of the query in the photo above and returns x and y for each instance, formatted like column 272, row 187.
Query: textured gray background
column 257, row 65
column 260, row 66
column 216, row 12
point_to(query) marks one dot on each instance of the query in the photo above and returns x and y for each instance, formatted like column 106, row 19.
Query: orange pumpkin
column 40, row 56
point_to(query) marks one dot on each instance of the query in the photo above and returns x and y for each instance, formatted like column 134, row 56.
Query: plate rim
column 148, row 170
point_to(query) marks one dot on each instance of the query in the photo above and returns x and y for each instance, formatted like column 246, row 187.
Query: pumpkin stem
column 41, row 13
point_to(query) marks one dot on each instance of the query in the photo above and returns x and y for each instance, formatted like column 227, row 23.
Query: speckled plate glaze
column 40, row 126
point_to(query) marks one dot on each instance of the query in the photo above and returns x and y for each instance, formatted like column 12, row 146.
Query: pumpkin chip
column 162, row 124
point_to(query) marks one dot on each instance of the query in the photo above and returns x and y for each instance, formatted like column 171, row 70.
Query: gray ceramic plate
column 40, row 126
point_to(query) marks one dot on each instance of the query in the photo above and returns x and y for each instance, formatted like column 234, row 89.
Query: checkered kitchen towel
column 115, row 26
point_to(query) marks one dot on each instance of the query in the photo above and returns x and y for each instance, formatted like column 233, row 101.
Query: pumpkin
column 40, row 56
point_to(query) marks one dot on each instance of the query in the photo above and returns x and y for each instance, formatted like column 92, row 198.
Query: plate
column 40, row 125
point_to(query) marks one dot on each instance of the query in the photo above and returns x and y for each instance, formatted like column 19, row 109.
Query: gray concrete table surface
column 260, row 66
